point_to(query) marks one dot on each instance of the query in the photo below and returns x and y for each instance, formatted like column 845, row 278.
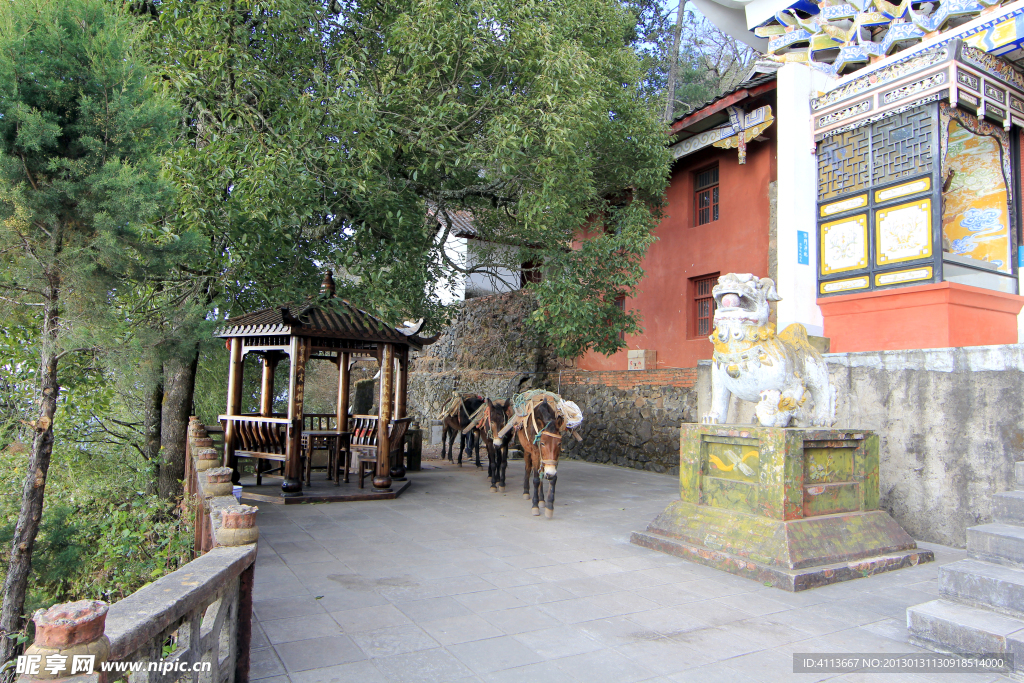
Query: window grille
column 705, row 199
column 703, row 304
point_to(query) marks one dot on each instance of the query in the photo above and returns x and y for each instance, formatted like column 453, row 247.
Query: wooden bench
column 260, row 438
column 363, row 441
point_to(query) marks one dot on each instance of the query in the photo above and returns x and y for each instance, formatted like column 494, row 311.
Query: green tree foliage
column 80, row 130
column 709, row 62
column 350, row 134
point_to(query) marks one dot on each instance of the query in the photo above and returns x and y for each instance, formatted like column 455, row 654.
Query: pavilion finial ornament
column 783, row 373
column 327, row 286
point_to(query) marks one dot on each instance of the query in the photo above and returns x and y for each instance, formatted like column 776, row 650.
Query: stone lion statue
column 782, row 373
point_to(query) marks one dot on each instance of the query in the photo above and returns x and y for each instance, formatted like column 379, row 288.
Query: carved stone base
column 794, row 555
column 796, row 508
column 780, row 577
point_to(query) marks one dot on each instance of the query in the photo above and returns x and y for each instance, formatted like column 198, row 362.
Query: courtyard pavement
column 453, row 583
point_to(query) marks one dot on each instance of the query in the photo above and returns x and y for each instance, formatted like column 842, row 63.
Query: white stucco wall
column 450, row 290
column 1020, row 316
column 797, row 183
column 498, row 280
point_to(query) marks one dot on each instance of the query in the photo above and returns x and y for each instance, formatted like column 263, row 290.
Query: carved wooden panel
column 903, row 145
column 843, row 163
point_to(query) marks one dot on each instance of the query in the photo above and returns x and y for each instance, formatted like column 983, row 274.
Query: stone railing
column 193, row 624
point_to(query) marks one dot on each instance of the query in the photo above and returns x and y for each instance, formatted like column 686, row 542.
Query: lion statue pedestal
column 794, row 507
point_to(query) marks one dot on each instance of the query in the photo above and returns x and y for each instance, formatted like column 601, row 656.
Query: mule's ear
column 489, row 404
column 767, row 285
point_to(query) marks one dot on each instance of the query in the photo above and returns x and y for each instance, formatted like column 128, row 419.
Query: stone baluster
column 70, row 643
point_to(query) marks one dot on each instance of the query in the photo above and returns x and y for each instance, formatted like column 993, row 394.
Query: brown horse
column 455, row 421
column 496, row 414
column 540, row 435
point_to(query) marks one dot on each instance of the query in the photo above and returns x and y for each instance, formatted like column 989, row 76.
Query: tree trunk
column 20, row 561
column 151, row 426
column 179, row 386
column 673, row 64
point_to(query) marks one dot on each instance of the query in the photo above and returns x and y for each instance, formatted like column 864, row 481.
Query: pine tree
column 80, row 128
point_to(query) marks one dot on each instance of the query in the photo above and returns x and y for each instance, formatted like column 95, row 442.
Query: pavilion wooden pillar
column 234, row 402
column 401, row 396
column 382, row 482
column 344, row 359
column 341, row 414
column 299, row 352
column 402, row 390
column 270, row 361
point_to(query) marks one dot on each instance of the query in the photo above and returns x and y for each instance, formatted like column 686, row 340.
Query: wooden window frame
column 709, row 187
column 701, row 294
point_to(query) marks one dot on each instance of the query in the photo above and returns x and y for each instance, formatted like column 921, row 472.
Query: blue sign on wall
column 1020, row 257
column 803, row 248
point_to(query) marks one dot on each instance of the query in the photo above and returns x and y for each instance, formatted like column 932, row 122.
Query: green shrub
column 100, row 537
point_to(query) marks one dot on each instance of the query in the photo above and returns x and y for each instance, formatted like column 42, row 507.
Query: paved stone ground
column 453, row 583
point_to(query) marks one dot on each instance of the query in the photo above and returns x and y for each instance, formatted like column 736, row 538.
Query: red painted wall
column 736, row 243
column 932, row 316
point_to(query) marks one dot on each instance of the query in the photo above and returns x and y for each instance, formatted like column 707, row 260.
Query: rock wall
column 488, row 349
column 631, row 418
column 950, row 425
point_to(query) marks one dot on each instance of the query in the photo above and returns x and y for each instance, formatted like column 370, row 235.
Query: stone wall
column 631, row 418
column 950, row 425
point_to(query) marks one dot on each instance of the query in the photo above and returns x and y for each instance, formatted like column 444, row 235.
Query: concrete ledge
column 136, row 620
column 995, row 358
column 787, row 579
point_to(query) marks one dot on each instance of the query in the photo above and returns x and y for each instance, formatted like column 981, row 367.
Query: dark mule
column 495, row 417
column 541, row 438
column 455, row 421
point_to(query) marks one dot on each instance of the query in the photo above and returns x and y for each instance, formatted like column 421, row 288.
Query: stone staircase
column 982, row 603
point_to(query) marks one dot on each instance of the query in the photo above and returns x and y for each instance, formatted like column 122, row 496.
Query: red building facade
column 715, row 222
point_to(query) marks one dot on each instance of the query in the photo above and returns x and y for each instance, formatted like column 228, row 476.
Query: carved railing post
column 238, row 525
column 70, row 642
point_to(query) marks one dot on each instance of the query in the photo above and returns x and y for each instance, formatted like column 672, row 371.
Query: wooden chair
column 319, row 422
column 363, row 442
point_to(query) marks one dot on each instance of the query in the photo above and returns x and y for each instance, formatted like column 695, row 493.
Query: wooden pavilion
column 328, row 329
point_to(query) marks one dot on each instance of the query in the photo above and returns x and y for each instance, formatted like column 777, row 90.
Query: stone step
column 1008, row 507
column 1018, row 473
column 983, row 584
column 953, row 627
column 997, row 542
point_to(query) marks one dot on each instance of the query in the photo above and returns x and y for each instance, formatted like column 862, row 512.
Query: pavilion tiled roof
column 341, row 320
